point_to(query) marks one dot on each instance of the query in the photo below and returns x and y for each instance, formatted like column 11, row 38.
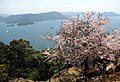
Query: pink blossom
column 79, row 38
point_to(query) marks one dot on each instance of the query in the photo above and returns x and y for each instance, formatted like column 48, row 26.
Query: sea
column 34, row 32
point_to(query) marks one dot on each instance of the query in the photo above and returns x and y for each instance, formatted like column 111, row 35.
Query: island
column 10, row 25
column 29, row 19
column 25, row 23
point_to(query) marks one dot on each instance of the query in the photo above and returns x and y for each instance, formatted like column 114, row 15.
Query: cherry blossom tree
column 85, row 37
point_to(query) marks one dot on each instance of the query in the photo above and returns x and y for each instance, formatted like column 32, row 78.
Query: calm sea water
column 114, row 23
column 33, row 32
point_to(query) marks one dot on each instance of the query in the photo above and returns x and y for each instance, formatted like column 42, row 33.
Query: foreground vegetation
column 18, row 59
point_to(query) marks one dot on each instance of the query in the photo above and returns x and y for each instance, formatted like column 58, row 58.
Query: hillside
column 28, row 19
column 25, row 19
column 110, row 14
column 2, row 18
column 4, row 15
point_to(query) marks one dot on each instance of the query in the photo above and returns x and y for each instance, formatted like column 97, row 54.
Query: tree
column 39, row 68
column 79, row 38
column 16, row 55
column 2, row 54
column 84, row 39
column 3, row 66
column 113, row 43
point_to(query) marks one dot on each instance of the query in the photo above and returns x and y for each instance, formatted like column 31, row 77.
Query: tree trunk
column 49, row 76
column 17, row 79
column 104, row 72
column 86, row 68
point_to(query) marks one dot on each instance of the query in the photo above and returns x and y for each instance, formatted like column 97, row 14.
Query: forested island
column 28, row 19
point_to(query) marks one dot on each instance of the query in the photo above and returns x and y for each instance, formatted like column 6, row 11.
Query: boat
column 7, row 31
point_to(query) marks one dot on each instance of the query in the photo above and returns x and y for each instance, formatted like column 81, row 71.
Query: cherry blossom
column 83, row 37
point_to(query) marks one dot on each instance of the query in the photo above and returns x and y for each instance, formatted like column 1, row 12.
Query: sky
column 38, row 6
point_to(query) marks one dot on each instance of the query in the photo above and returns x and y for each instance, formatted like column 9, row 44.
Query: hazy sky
column 37, row 6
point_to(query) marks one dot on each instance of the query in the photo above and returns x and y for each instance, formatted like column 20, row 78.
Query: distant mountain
column 111, row 14
column 4, row 15
column 25, row 19
column 69, row 14
column 28, row 19
column 2, row 18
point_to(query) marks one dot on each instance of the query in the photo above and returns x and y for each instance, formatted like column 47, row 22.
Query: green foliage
column 56, row 66
column 3, row 66
column 18, row 59
column 39, row 67
column 16, row 54
column 118, row 60
column 2, row 54
column 3, row 72
column 33, row 74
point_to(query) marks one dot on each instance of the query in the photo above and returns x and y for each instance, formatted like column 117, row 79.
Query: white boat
column 43, row 37
column 7, row 31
